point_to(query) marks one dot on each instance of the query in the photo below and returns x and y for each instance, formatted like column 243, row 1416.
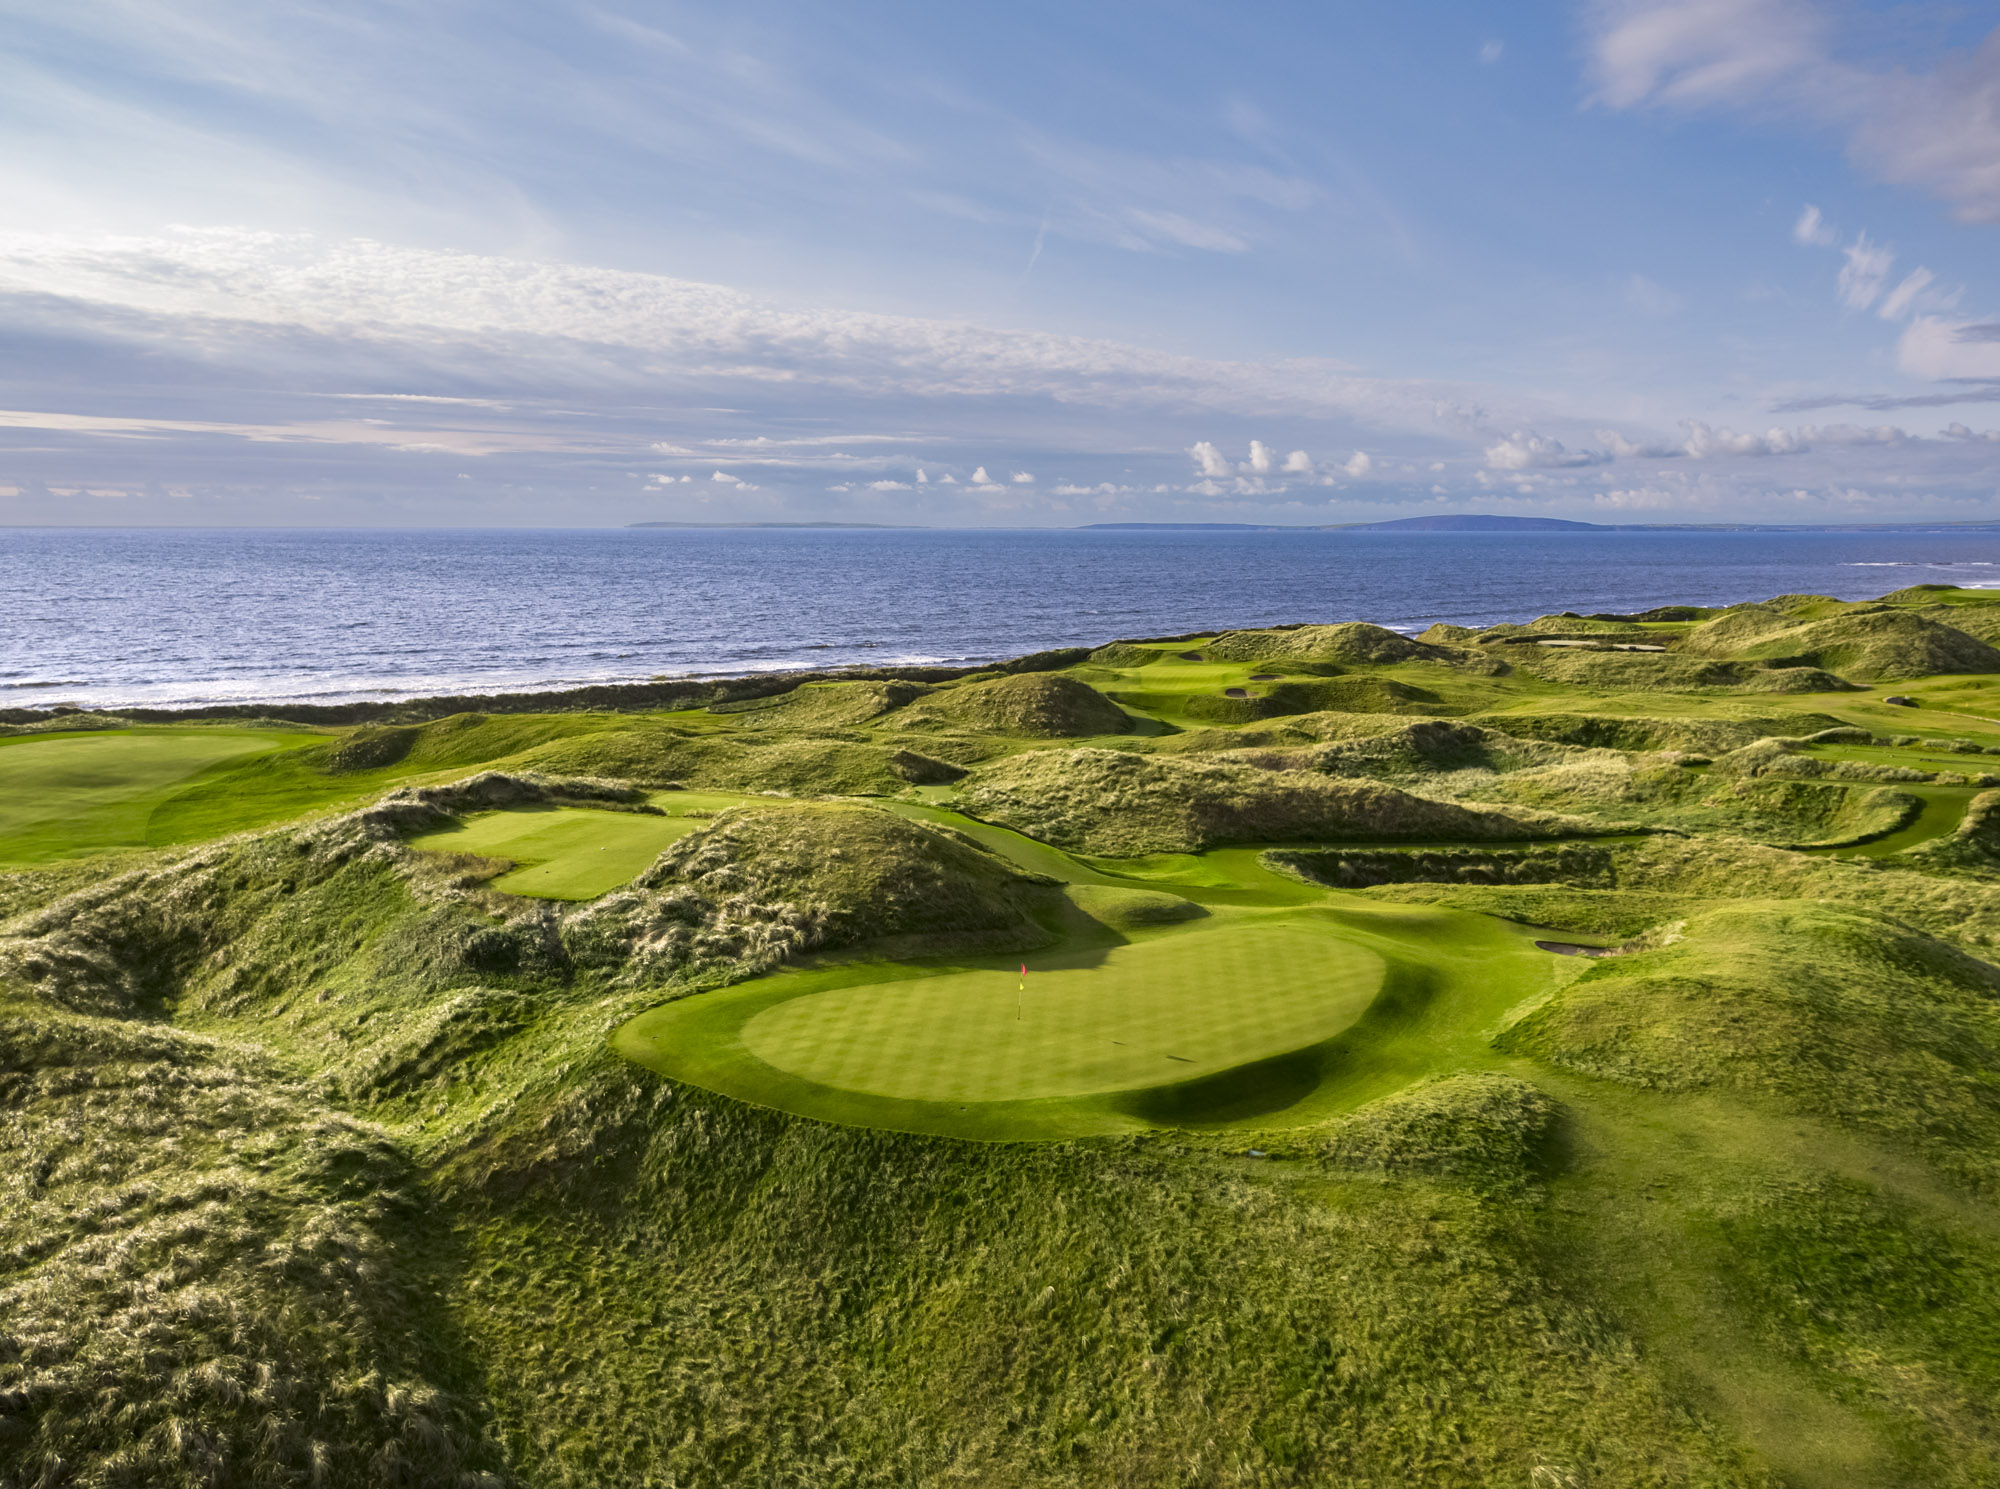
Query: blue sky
column 560, row 263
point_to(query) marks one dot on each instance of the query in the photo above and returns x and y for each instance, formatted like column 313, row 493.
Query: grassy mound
column 1868, row 645
column 1431, row 747
column 1033, row 706
column 1362, row 868
column 825, row 705
column 1636, row 671
column 1353, row 643
column 1368, row 695
column 1838, row 1012
column 662, row 755
column 455, row 742
column 1132, row 909
column 1112, row 802
column 1700, row 736
column 1979, row 620
column 1490, row 1128
column 856, row 872
column 224, row 1284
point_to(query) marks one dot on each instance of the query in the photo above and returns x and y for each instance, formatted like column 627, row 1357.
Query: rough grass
column 1488, row 1127
column 1869, row 644
column 1352, row 642
column 1031, row 706
column 1832, row 1010
column 1111, row 802
column 318, row 1168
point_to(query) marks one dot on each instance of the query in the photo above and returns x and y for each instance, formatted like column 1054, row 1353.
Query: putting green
column 575, row 853
column 1277, row 1016
column 68, row 794
column 1171, row 1008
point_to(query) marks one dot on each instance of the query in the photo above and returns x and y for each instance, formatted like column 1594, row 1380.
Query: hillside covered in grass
column 1559, row 1054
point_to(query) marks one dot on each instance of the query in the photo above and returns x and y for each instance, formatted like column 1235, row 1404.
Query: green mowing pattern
column 1944, row 808
column 1170, row 1008
column 62, row 795
column 575, row 853
column 1445, row 980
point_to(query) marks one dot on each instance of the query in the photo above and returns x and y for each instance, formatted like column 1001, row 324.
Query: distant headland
column 1486, row 522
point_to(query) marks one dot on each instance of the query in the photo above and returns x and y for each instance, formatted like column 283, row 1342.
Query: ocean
column 177, row 617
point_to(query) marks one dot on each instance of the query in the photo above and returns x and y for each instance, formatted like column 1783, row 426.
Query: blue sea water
column 168, row 617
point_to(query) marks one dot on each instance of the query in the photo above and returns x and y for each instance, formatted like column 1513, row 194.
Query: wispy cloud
column 1937, row 130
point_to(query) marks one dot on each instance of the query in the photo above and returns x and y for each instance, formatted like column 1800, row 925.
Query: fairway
column 67, row 794
column 574, row 853
column 1167, row 1009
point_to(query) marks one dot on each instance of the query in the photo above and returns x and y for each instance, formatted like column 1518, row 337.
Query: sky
column 547, row 263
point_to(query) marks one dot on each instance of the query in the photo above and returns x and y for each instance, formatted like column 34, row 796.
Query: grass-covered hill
column 1559, row 1054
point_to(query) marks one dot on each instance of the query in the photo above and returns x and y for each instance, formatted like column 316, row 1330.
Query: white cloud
column 1185, row 231
column 922, row 479
column 1813, row 230
column 980, row 478
column 1490, row 52
column 1698, row 52
column 1260, row 458
column 890, row 486
column 1937, row 348
column 1848, row 434
column 1523, row 450
column 1208, row 460
column 1956, row 430
column 1704, row 442
column 1896, row 304
column 1865, row 271
column 726, row 478
column 1937, row 130
column 604, row 325
column 1022, row 478
column 1298, row 463
column 1862, row 276
column 1626, row 449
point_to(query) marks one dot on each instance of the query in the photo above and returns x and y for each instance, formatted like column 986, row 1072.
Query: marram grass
column 322, row 1165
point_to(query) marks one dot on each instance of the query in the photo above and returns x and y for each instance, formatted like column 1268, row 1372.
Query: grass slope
column 322, row 1166
column 67, row 794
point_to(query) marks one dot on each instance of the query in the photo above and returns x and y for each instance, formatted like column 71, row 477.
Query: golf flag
column 1020, row 990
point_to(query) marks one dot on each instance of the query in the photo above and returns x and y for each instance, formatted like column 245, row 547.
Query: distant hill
column 1456, row 523
column 769, row 524
column 1474, row 522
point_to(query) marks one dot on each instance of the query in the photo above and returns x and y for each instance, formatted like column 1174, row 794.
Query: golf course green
column 1259, row 1017
column 1176, row 1006
column 573, row 853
